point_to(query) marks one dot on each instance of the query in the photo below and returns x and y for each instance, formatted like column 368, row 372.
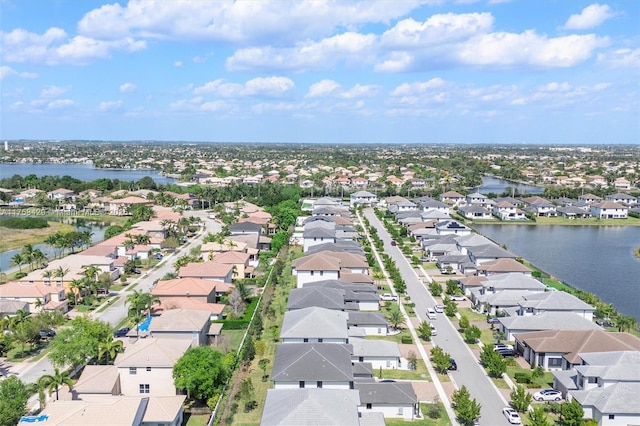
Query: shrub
column 406, row 340
column 522, row 377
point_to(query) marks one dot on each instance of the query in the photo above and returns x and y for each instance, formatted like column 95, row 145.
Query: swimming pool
column 144, row 325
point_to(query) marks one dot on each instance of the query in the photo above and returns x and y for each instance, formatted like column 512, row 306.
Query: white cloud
column 349, row 47
column 418, row 87
column 528, row 48
column 323, row 88
column 177, row 64
column 236, row 21
column 621, row 58
column 60, row 103
column 590, row 17
column 128, row 88
column 110, row 105
column 261, row 86
column 360, row 91
column 214, row 106
column 439, row 29
column 397, row 62
column 53, row 91
column 6, row 71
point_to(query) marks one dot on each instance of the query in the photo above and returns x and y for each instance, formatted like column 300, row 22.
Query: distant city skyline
column 436, row 71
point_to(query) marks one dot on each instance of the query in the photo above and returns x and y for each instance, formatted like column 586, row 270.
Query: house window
column 319, row 384
column 400, row 410
column 301, row 384
column 593, row 380
column 554, row 362
column 319, row 340
column 305, row 340
column 133, row 370
column 369, row 406
column 612, row 416
column 312, row 273
column 321, row 273
column 148, row 368
column 144, row 388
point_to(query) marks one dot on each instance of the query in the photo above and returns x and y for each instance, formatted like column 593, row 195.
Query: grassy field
column 420, row 373
column 18, row 238
column 545, row 381
column 425, row 420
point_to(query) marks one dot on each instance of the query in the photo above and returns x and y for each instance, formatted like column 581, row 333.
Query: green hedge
column 24, row 223
column 242, row 323
column 406, row 340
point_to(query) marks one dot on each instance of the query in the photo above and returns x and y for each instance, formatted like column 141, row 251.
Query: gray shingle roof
column 324, row 297
column 549, row 321
column 327, row 362
column 314, row 322
column 620, row 398
column 387, row 393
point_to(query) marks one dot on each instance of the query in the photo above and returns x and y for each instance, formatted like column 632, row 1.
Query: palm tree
column 52, row 382
column 395, row 318
column 60, row 272
column 109, row 348
column 38, row 304
column 27, row 254
column 39, row 258
column 626, row 323
column 92, row 273
column 18, row 260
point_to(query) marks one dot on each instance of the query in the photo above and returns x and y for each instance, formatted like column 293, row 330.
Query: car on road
column 159, row 256
column 431, row 314
column 438, row 308
column 452, row 365
column 388, row 297
column 457, row 297
column 548, row 395
column 121, row 332
column 394, row 243
column 434, row 331
column 512, row 416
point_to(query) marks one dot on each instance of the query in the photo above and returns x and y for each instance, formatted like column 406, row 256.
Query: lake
column 597, row 259
column 498, row 186
column 84, row 172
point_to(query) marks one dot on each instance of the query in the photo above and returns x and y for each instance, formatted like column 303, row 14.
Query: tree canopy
column 201, row 371
column 79, row 343
column 13, row 401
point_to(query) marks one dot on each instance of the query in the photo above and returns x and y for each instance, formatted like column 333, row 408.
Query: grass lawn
column 195, row 419
column 18, row 238
column 442, row 420
column 473, row 316
column 420, row 373
column 500, row 383
column 545, row 381
column 235, row 337
column 429, row 265
column 394, row 338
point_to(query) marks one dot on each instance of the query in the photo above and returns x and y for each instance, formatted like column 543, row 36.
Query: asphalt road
column 470, row 373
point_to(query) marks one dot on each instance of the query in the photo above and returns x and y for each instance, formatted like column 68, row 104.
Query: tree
column 52, row 382
column 424, row 330
column 493, row 362
column 18, row 260
column 452, row 287
column 626, row 323
column 464, row 322
column 108, row 349
column 61, row 272
column 395, row 317
column 520, row 399
column 412, row 359
column 263, row 364
column 450, row 308
column 441, row 359
column 467, row 409
column 472, row 334
column 13, row 400
column 460, row 395
column 538, row 417
column 571, row 413
column 201, row 371
column 435, row 288
column 78, row 343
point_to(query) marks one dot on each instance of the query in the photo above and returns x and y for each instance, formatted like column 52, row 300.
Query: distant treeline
column 24, row 223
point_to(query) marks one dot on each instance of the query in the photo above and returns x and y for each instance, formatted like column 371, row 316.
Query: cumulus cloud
column 110, row 106
column 331, row 88
column 60, row 103
column 590, row 17
column 350, row 47
column 53, row 91
column 54, row 47
column 261, row 86
column 417, row 87
column 323, row 88
column 621, row 58
column 177, row 64
column 128, row 88
column 6, row 71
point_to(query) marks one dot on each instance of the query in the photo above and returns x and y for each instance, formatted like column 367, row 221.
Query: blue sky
column 435, row 71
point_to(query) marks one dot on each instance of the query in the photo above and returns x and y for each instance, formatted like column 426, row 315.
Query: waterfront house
column 146, row 366
column 573, row 212
column 621, row 198
column 393, row 400
column 475, row 212
column 589, row 199
column 61, row 194
column 607, row 386
column 609, row 210
column 314, row 325
column 312, row 365
column 325, row 406
column 505, row 210
column 512, row 325
column 488, row 253
column 479, row 199
column 555, row 301
column 560, row 349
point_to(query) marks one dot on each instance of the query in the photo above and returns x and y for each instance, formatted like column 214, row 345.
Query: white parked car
column 431, row 314
column 438, row 308
column 388, row 297
column 457, row 297
column 548, row 395
column 512, row 416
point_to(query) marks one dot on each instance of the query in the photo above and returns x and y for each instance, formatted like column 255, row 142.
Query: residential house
column 113, row 411
column 318, row 234
column 428, row 203
column 622, row 183
column 487, row 253
column 37, row 297
column 452, row 198
column 447, row 227
column 514, row 325
column 327, row 266
column 379, row 353
column 210, row 270
column 364, row 296
column 479, row 199
column 475, row 212
column 61, row 194
column 502, row 266
column 320, row 406
column 182, row 324
column 367, row 324
column 555, row 301
column 146, row 366
column 393, row 400
column 239, row 262
column 505, row 210
column 314, row 324
column 97, row 380
column 245, row 228
column 312, row 365
column 560, row 349
column 609, row 210
column 573, row 212
column 323, row 297
column 363, row 198
column 621, row 198
column 589, row 199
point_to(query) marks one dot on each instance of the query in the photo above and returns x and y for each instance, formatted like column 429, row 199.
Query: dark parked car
column 493, row 320
column 136, row 271
column 452, row 365
column 159, row 256
column 121, row 332
column 507, row 352
column 394, row 243
column 47, row 333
